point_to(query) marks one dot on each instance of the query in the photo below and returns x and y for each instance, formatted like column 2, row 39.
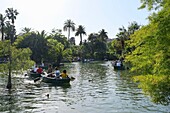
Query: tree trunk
column 9, row 84
column 80, row 39
column 68, row 33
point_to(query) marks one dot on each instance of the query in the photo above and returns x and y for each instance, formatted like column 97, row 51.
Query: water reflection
column 96, row 89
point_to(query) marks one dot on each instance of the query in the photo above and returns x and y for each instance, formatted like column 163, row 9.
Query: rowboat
column 54, row 80
column 122, row 67
column 119, row 67
column 33, row 75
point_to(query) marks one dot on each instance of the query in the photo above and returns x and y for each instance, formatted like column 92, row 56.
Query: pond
column 96, row 89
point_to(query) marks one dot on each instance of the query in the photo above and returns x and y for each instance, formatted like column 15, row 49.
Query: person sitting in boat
column 49, row 71
column 57, row 72
column 118, row 64
column 42, row 64
column 39, row 70
column 35, row 69
column 64, row 74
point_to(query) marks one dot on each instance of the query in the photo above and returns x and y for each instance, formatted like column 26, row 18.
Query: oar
column 37, row 79
column 72, row 78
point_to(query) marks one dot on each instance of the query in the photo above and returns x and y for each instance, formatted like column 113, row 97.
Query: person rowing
column 64, row 74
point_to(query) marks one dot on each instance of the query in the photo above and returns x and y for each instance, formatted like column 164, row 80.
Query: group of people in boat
column 37, row 69
column 117, row 63
column 56, row 73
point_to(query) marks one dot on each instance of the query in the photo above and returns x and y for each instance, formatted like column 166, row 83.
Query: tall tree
column 122, row 36
column 80, row 31
column 2, row 25
column 103, row 35
column 69, row 25
column 11, row 14
column 7, row 30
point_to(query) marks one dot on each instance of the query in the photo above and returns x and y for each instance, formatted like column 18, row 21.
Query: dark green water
column 96, row 89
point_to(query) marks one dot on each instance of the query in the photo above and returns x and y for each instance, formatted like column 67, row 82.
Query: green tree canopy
column 151, row 55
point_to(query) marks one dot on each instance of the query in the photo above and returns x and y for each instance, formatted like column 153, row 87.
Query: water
column 96, row 89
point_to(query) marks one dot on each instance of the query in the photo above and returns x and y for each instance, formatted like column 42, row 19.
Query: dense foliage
column 150, row 57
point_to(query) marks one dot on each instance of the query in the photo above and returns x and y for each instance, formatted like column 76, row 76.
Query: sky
column 94, row 15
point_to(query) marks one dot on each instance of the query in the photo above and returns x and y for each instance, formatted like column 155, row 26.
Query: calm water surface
column 96, row 89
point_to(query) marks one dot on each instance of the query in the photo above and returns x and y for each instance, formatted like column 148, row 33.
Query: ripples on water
column 96, row 89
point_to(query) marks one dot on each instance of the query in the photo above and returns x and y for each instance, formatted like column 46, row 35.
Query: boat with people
column 118, row 65
column 54, row 80
column 50, row 76
column 55, row 77
column 33, row 74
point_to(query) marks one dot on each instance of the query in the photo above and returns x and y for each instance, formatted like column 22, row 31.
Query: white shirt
column 35, row 69
column 57, row 72
column 118, row 64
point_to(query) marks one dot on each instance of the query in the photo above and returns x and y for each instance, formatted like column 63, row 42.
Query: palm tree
column 2, row 24
column 69, row 25
column 122, row 36
column 11, row 14
column 7, row 30
column 103, row 35
column 26, row 30
column 79, row 31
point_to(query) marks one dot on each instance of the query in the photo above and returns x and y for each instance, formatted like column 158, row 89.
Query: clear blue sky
column 94, row 15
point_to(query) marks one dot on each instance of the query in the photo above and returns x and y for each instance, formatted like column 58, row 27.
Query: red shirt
column 39, row 70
